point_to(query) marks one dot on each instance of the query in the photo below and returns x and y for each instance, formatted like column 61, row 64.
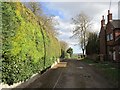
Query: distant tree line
column 92, row 46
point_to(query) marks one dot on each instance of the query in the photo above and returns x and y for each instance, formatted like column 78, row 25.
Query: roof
column 116, row 23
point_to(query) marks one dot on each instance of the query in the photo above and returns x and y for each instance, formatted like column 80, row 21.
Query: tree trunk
column 83, row 51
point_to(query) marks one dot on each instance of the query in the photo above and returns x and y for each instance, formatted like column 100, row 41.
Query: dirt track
column 70, row 74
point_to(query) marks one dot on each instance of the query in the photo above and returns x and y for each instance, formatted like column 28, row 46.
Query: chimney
column 109, row 16
column 102, row 21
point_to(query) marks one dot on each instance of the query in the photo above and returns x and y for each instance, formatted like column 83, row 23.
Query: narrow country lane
column 70, row 74
column 36, row 35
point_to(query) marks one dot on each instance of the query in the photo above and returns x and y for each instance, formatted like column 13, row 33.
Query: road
column 70, row 74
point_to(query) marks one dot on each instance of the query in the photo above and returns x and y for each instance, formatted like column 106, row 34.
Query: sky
column 64, row 10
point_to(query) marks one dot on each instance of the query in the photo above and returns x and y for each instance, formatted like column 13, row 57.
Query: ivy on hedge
column 22, row 44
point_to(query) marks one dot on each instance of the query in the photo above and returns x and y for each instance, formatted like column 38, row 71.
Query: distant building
column 109, row 37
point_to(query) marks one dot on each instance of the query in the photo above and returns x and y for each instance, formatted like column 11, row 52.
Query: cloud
column 64, row 11
column 94, row 10
column 64, row 29
column 70, row 9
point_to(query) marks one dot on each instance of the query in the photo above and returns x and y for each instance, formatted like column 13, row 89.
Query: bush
column 23, row 49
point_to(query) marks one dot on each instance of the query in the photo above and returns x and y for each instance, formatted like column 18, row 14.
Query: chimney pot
column 103, row 17
column 102, row 21
column 109, row 16
column 108, row 12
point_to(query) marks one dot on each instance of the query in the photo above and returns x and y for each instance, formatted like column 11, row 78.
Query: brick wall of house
column 102, row 44
column 109, row 44
column 102, row 38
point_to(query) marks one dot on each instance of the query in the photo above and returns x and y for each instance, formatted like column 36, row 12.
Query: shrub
column 22, row 44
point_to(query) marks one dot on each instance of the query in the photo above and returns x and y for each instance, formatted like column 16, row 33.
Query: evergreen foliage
column 70, row 51
column 92, row 46
column 22, row 44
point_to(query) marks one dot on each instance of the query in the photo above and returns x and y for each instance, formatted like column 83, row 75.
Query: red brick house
column 109, row 37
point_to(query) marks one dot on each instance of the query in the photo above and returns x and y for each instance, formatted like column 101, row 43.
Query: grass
column 75, row 56
column 106, row 69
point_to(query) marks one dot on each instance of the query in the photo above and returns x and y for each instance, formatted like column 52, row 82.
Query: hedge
column 23, row 45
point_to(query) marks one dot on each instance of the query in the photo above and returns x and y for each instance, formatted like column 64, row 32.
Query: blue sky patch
column 49, row 11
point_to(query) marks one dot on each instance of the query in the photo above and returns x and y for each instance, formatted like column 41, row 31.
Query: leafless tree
column 47, row 22
column 63, row 45
column 36, row 8
column 44, row 21
column 82, row 25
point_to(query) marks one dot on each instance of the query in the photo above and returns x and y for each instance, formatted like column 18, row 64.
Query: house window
column 111, row 36
column 108, row 37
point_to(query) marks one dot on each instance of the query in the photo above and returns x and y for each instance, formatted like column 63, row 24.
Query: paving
column 70, row 74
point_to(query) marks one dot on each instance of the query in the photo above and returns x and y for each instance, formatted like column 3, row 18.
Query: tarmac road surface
column 70, row 74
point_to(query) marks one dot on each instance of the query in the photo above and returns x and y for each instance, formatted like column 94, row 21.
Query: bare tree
column 64, row 47
column 82, row 25
column 36, row 8
column 47, row 22
column 44, row 21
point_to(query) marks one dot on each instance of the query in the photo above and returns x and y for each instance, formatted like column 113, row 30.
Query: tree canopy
column 70, row 51
column 92, row 46
column 64, row 47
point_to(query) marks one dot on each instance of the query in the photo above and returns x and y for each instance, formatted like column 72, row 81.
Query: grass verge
column 106, row 69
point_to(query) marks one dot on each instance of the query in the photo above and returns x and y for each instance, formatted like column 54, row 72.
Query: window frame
column 111, row 36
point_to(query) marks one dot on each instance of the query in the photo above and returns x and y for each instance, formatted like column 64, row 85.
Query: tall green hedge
column 52, row 50
column 22, row 44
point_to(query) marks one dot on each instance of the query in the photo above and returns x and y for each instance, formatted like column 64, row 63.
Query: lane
column 71, row 77
column 79, row 75
column 48, row 79
column 70, row 74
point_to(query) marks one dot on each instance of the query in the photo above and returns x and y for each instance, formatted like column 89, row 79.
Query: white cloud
column 94, row 9
column 63, row 25
column 64, row 29
column 65, row 32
